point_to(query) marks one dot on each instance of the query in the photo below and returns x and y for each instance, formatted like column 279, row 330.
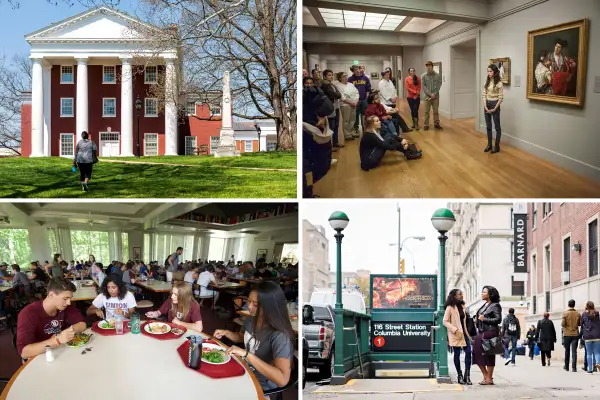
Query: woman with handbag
column 545, row 337
column 488, row 342
column 85, row 157
column 455, row 318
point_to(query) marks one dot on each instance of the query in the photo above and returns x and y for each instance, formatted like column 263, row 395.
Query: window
column 84, row 243
column 248, row 146
column 534, row 274
column 512, row 251
column 547, row 209
column 534, row 217
column 15, row 247
column 566, row 256
column 150, row 144
column 216, row 248
column 593, row 247
column 150, row 76
column 271, row 146
column 191, row 108
column 215, row 110
column 109, row 74
column 151, row 108
column 146, row 247
column 109, row 107
column 190, row 145
column 67, row 147
column 125, row 246
column 517, row 287
column 66, row 74
column 214, row 143
column 512, row 218
column 66, row 107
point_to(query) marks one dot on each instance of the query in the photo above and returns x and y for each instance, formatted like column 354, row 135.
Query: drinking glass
column 119, row 326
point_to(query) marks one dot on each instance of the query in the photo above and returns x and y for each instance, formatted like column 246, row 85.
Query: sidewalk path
column 197, row 165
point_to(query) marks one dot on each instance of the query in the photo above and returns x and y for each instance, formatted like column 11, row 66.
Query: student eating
column 181, row 309
column 114, row 298
column 49, row 322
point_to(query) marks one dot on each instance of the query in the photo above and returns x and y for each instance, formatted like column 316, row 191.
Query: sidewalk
column 104, row 160
column 527, row 380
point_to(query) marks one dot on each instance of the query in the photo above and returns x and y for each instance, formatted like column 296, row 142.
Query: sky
column 37, row 14
column 373, row 226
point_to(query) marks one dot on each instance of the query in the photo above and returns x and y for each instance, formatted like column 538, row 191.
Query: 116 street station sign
column 401, row 336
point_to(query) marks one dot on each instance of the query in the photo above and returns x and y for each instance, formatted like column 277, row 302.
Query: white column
column 81, row 102
column 37, row 109
column 170, row 109
column 263, row 142
column 47, row 111
column 126, row 108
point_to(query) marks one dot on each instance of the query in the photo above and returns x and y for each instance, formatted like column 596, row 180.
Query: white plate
column 147, row 328
column 103, row 321
column 215, row 347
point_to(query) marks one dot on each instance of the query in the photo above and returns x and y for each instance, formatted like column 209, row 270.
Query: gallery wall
column 566, row 135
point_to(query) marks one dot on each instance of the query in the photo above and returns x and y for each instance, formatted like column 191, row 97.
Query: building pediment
column 98, row 24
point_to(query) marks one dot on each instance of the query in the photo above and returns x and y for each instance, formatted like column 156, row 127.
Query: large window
column 593, row 243
column 248, row 146
column 566, row 255
column 67, row 147
column 289, row 254
column 216, row 249
column 109, row 74
column 151, row 107
column 14, row 247
column 151, row 75
column 190, row 108
column 84, row 243
column 147, row 238
column 66, row 74
column 190, row 145
column 214, row 143
column 125, row 246
column 53, row 243
column 66, row 107
column 517, row 287
column 109, row 107
column 150, row 144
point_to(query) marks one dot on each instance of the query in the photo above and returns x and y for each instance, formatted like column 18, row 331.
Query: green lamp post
column 443, row 220
column 338, row 221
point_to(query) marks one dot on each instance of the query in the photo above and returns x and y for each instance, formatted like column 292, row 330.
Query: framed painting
column 261, row 253
column 503, row 65
column 556, row 63
column 374, row 75
column 137, row 253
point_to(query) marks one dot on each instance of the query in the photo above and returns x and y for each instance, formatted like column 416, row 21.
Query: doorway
column 463, row 84
column 110, row 144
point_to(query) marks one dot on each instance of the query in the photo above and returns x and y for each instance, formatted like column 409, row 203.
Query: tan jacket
column 571, row 321
column 456, row 336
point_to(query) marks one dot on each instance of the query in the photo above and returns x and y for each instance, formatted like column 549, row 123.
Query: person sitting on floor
column 375, row 108
column 373, row 145
column 181, row 309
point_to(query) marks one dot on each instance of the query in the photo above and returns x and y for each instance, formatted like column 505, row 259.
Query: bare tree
column 15, row 78
column 253, row 39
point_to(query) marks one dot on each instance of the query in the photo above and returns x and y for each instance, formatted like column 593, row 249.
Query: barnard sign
column 401, row 336
column 520, row 243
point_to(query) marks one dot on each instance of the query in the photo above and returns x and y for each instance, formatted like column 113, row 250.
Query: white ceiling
column 422, row 25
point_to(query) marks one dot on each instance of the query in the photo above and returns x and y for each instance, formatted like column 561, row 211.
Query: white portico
column 105, row 43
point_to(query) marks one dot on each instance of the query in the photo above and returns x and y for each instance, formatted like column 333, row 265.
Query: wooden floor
column 453, row 166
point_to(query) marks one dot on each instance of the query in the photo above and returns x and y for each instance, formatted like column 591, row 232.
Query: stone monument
column 226, row 146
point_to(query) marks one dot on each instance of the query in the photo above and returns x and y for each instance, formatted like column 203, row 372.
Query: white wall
column 269, row 241
column 462, row 82
column 412, row 57
column 564, row 135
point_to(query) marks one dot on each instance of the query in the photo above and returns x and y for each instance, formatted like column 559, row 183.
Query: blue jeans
column 495, row 116
column 513, row 340
column 593, row 354
column 388, row 125
column 468, row 354
column 414, row 106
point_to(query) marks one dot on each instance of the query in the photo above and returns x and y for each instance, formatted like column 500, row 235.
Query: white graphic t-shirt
column 111, row 304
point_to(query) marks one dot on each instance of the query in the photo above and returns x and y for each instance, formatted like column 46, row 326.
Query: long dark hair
column 116, row 279
column 493, row 293
column 590, row 310
column 452, row 301
column 272, row 313
column 494, row 68
column 415, row 78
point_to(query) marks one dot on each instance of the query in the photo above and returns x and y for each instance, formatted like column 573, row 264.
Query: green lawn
column 51, row 177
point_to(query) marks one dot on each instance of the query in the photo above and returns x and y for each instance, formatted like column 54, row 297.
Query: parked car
column 307, row 319
column 319, row 332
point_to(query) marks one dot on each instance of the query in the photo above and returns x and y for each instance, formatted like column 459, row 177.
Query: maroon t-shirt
column 192, row 317
column 36, row 326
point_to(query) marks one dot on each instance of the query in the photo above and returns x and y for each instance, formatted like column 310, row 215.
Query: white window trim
column 101, row 141
column 60, row 145
column 187, row 111
column 145, row 136
column 61, row 75
column 146, row 107
column 186, row 144
column 547, row 244
column 246, row 146
column 105, row 115
column 146, row 81
column 534, row 270
column 62, row 115
column 587, row 243
column 562, row 260
column 108, row 82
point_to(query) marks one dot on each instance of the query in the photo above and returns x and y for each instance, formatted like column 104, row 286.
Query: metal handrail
column 433, row 343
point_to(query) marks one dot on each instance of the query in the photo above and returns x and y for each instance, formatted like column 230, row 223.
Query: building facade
column 479, row 252
column 315, row 258
column 563, row 258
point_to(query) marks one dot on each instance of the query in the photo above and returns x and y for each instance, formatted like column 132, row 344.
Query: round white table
column 126, row 366
column 84, row 293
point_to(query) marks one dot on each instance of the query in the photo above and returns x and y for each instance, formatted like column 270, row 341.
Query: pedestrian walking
column 459, row 338
column 488, row 319
column 571, row 321
column 545, row 337
column 590, row 321
column 531, row 341
column 86, row 155
column 511, row 327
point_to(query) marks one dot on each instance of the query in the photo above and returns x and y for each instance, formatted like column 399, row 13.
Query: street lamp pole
column 338, row 221
column 443, row 221
column 138, row 106
column 258, row 133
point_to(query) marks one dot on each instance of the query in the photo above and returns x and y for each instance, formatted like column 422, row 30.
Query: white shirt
column 189, row 277
column 113, row 303
column 387, row 90
column 203, row 280
column 348, row 91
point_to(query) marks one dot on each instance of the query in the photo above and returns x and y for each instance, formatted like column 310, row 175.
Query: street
column 527, row 380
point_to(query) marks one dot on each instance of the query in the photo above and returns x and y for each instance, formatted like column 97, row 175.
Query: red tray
column 166, row 336
column 228, row 370
column 109, row 332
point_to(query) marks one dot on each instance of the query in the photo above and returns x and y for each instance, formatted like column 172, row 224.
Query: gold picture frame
column 569, row 92
column 503, row 64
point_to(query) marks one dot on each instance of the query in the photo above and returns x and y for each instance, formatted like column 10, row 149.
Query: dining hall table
column 124, row 366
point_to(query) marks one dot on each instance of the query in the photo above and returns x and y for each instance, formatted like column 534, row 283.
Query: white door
column 109, row 144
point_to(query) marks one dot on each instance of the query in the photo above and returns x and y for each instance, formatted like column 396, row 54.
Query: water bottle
column 195, row 351
column 135, row 323
column 73, row 169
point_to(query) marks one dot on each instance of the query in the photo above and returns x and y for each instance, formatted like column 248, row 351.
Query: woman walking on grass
column 85, row 157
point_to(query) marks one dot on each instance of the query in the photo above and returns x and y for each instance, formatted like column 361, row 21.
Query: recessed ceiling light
column 360, row 20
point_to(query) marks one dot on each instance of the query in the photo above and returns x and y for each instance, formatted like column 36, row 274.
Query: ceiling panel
column 422, row 25
column 359, row 20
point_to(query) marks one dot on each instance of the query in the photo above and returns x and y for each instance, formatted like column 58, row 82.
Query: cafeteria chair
column 145, row 305
column 207, row 296
column 277, row 394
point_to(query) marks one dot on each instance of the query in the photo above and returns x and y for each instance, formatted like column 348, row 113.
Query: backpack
column 511, row 328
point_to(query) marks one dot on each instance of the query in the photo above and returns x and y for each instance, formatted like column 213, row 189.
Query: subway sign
column 401, row 336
